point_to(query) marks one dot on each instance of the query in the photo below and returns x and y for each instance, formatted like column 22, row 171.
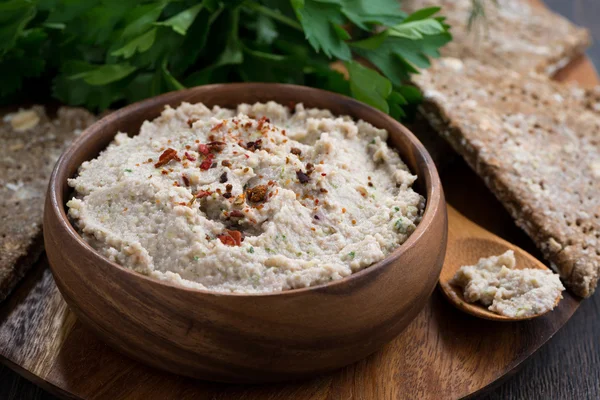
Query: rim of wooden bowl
column 432, row 184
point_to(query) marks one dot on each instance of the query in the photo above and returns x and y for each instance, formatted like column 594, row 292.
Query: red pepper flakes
column 203, row 193
column 322, row 190
column 262, row 121
column 227, row 195
column 246, row 155
column 186, row 180
column 216, row 146
column 231, row 238
column 150, row 160
column 257, row 193
column 296, row 151
column 253, row 146
column 191, row 121
column 236, row 214
column 226, row 163
column 187, row 147
column 168, row 155
column 207, row 163
column 302, row 177
column 316, row 201
column 343, row 211
column 183, row 203
column 353, row 222
column 323, row 174
column 218, row 126
column 188, row 156
column 203, row 149
column 164, row 172
column 175, row 183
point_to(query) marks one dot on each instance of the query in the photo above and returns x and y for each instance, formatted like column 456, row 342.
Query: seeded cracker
column 514, row 35
column 31, row 144
column 536, row 144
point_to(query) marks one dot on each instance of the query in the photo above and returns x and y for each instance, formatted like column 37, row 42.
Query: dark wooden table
column 567, row 367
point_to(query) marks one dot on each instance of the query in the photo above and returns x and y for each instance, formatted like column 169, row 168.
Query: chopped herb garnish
column 250, row 250
column 128, row 170
column 351, row 255
column 196, row 258
column 373, row 141
column 397, row 208
column 269, row 250
column 404, row 225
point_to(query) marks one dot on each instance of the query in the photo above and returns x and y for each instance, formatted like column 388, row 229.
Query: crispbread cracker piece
column 536, row 144
column 515, row 35
column 31, row 144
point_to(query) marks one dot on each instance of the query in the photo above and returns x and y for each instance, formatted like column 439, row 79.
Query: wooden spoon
column 467, row 243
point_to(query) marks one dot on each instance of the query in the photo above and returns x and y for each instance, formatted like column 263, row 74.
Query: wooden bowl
column 245, row 337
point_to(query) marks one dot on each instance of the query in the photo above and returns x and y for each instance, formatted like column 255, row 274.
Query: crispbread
column 537, row 146
column 514, row 35
column 31, row 144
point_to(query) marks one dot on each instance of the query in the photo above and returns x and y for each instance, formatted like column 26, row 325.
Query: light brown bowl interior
column 159, row 327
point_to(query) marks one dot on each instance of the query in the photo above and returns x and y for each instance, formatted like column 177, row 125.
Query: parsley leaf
column 181, row 22
column 368, row 86
column 26, row 60
column 107, row 53
column 319, row 21
column 363, row 12
column 398, row 51
column 14, row 16
column 139, row 44
column 104, row 74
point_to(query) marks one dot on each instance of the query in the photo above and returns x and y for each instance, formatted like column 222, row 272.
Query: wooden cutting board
column 442, row 354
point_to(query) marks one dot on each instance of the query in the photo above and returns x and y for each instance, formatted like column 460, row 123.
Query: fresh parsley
column 106, row 53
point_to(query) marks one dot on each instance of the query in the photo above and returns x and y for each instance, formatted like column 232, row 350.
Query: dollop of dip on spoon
column 515, row 293
column 506, row 284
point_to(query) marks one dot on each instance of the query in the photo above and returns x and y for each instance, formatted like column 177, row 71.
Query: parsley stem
column 275, row 15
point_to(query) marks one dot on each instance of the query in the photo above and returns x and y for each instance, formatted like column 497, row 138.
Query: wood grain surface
column 567, row 368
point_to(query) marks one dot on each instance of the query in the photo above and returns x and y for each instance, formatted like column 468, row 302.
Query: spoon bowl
column 467, row 243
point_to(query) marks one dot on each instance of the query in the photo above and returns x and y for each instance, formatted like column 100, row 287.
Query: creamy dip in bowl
column 297, row 325
column 257, row 199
